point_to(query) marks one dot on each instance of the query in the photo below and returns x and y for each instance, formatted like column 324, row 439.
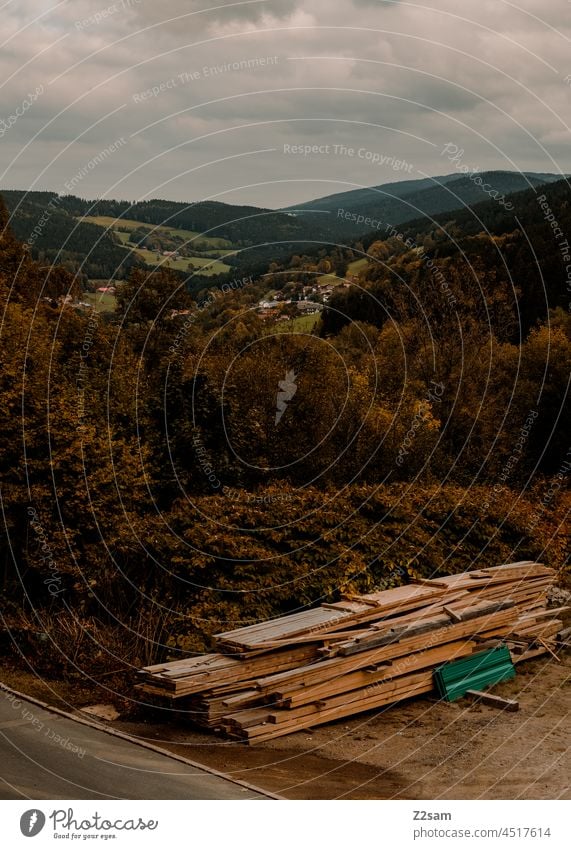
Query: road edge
column 143, row 743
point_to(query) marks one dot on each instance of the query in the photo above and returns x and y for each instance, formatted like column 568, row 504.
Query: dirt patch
column 422, row 749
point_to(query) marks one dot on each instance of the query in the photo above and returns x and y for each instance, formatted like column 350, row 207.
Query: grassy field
column 130, row 224
column 219, row 253
column 213, row 241
column 113, row 223
column 301, row 324
column 209, row 266
column 102, row 301
column 329, row 280
column 357, row 266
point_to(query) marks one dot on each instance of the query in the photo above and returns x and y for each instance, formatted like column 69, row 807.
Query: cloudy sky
column 186, row 100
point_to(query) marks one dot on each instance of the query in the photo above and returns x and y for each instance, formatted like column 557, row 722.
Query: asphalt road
column 44, row 755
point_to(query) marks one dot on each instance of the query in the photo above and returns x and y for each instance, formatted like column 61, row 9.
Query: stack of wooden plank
column 363, row 652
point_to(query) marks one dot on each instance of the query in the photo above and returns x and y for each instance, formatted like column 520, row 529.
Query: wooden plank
column 271, row 731
column 431, row 582
column 286, row 626
column 531, row 654
column 345, row 683
column 537, row 630
column 493, row 701
column 369, row 614
column 453, row 614
column 541, row 614
column 322, row 670
column 399, row 595
column 437, row 625
column 356, row 698
column 237, row 672
column 551, row 652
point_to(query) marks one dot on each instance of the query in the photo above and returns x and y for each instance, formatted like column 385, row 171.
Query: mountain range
column 66, row 232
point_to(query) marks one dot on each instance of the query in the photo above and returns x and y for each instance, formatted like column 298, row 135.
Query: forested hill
column 243, row 225
column 42, row 220
column 396, row 203
column 525, row 247
column 524, row 210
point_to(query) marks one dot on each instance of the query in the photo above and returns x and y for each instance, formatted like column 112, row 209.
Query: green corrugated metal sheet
column 473, row 672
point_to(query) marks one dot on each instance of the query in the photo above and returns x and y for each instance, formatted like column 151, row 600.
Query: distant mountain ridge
column 396, row 203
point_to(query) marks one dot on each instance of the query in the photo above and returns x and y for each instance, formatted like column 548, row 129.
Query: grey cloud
column 326, row 87
column 202, row 14
column 376, row 2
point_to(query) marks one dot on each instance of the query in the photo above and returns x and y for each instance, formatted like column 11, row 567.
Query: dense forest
column 182, row 468
column 521, row 256
column 41, row 220
column 403, row 201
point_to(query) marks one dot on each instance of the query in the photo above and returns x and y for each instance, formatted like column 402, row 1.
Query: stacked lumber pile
column 363, row 652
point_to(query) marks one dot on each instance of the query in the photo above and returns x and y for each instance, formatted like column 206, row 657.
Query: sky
column 274, row 102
